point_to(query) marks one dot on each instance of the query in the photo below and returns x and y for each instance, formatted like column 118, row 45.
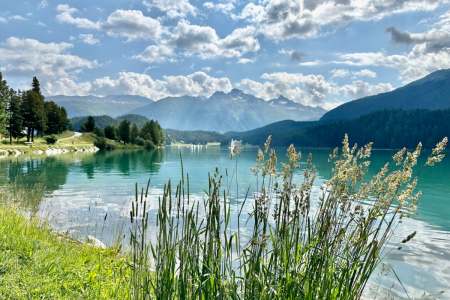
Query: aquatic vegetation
column 303, row 243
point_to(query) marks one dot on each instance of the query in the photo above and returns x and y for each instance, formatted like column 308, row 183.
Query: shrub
column 103, row 144
column 51, row 139
column 148, row 145
column 139, row 141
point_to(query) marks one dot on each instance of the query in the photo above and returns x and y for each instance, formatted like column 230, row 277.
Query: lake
column 86, row 194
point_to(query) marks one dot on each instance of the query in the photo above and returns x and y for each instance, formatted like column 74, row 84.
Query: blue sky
column 316, row 52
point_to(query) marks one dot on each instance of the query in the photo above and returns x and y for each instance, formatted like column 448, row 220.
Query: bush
column 98, row 132
column 51, row 139
column 103, row 144
column 139, row 141
column 149, row 145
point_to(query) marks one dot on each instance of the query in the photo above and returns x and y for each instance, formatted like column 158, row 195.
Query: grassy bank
column 293, row 240
column 66, row 142
column 36, row 263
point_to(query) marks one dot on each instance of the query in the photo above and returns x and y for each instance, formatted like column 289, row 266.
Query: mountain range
column 221, row 112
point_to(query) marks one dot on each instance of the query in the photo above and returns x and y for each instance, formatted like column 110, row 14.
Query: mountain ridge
column 431, row 92
column 221, row 112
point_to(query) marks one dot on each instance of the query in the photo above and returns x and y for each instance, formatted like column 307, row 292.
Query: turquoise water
column 90, row 195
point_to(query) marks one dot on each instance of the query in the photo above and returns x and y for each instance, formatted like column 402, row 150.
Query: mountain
column 386, row 129
column 221, row 112
column 103, row 121
column 114, row 105
column 233, row 111
column 431, row 92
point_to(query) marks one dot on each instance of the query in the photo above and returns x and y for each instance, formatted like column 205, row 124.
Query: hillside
column 431, row 92
column 103, row 121
column 386, row 129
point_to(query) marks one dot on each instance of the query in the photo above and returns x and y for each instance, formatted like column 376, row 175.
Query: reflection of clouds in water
column 423, row 264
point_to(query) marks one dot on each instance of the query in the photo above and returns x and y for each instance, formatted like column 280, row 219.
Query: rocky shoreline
column 51, row 151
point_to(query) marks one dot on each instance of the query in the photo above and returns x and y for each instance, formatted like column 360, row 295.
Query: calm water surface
column 90, row 195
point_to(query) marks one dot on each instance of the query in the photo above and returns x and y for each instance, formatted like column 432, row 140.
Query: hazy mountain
column 233, row 111
column 431, row 92
column 114, row 105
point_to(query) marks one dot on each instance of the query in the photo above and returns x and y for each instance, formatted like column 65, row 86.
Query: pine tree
column 57, row 121
column 134, row 133
column 14, row 117
column 33, row 113
column 5, row 95
column 124, row 131
column 89, row 126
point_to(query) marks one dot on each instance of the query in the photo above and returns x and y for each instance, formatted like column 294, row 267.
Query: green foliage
column 110, row 132
column 37, row 263
column 386, row 129
column 57, row 120
column 124, row 131
column 51, row 139
column 98, row 132
column 134, row 133
column 33, row 113
column 14, row 116
column 89, row 126
column 152, row 131
column 5, row 96
column 302, row 244
column 103, row 144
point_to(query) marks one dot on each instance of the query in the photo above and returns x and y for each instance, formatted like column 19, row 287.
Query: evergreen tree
column 33, row 112
column 57, row 121
column 5, row 95
column 89, row 126
column 124, row 131
column 134, row 134
column 146, row 131
column 110, row 132
column 14, row 117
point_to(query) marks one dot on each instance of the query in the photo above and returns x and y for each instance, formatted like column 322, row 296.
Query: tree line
column 151, row 134
column 26, row 113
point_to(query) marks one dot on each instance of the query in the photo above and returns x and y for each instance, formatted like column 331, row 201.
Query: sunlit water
column 90, row 195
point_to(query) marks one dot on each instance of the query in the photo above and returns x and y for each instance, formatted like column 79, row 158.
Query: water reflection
column 80, row 190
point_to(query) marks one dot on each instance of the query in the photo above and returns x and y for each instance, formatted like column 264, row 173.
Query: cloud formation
column 29, row 57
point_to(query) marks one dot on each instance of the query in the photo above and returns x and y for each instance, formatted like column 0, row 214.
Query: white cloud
column 32, row 57
column 285, row 19
column 310, row 89
column 65, row 15
column 7, row 19
column 66, row 86
column 195, row 84
column 411, row 66
column 43, row 4
column 172, row 8
column 128, row 24
column 225, row 7
column 343, row 73
column 201, row 41
column 436, row 39
column 132, row 25
column 89, row 39
column 156, row 54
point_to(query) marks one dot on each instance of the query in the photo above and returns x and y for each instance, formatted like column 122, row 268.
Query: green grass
column 36, row 263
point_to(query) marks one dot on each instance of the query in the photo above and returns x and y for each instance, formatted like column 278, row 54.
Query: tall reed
column 303, row 242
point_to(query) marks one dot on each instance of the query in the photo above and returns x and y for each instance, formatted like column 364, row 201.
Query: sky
column 315, row 52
